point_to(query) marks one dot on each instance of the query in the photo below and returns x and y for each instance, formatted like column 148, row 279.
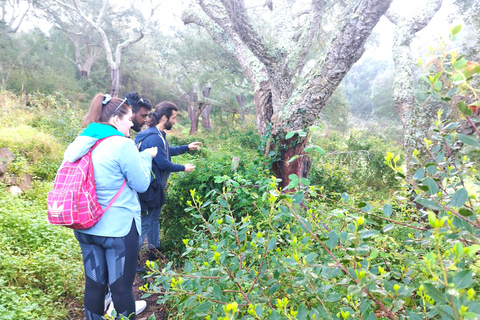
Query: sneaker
column 108, row 299
column 140, row 305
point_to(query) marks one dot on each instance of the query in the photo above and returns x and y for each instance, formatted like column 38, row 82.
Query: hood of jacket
column 146, row 133
column 82, row 144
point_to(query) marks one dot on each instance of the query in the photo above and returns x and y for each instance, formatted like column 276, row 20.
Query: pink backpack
column 73, row 201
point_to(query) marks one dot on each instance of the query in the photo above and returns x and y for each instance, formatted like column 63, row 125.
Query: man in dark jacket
column 163, row 118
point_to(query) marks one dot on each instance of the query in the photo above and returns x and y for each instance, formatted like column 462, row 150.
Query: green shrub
column 40, row 265
column 354, row 164
column 213, row 168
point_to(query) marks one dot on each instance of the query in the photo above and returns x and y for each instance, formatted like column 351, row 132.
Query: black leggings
column 109, row 261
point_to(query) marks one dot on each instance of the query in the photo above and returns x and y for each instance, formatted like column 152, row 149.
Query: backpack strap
column 91, row 169
column 116, row 195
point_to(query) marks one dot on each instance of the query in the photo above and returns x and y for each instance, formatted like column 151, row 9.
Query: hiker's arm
column 162, row 161
column 175, row 151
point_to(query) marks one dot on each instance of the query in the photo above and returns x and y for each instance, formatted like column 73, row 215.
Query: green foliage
column 213, row 167
column 36, row 130
column 344, row 260
column 353, row 164
column 40, row 265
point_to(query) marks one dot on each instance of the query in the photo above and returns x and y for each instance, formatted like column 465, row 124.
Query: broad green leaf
column 367, row 208
column 468, row 140
column 271, row 244
column 434, row 293
column 460, row 64
column 258, row 310
column 459, row 198
column 456, row 30
column 465, row 212
column 429, row 204
column 329, row 273
column 432, row 169
column 305, row 181
column 293, row 159
column 290, row 134
column 273, row 289
column 293, row 177
column 332, row 240
column 188, row 267
column 368, row 234
column 333, row 297
column 431, row 184
column 290, row 261
column 319, row 150
column 217, row 293
column 388, row 227
column 302, row 313
column 298, row 197
column 419, row 174
column 387, row 210
column 463, row 279
column 462, row 106
column 152, row 317
column 223, row 203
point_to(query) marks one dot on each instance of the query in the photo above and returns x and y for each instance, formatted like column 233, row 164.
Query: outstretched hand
column 194, row 145
column 189, row 167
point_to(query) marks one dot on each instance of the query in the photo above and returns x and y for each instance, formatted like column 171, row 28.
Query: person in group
column 140, row 109
column 163, row 118
column 110, row 247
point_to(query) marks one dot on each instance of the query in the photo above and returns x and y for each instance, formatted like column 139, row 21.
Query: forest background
column 364, row 228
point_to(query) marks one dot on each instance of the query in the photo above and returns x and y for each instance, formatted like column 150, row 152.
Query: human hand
column 189, row 167
column 152, row 151
column 194, row 145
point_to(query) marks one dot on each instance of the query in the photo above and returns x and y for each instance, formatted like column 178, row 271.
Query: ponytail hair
column 104, row 107
column 164, row 108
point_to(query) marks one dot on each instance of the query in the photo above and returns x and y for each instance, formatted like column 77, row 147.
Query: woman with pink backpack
column 110, row 246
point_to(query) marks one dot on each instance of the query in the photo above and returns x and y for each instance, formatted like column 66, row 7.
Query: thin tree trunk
column 205, row 109
column 115, row 82
column 192, row 113
column 241, row 102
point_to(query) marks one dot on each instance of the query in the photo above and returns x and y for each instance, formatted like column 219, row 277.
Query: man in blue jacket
column 163, row 118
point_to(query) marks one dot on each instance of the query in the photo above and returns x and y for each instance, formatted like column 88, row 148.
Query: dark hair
column 101, row 113
column 164, row 108
column 137, row 102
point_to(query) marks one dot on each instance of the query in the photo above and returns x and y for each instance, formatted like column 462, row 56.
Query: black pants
column 109, row 261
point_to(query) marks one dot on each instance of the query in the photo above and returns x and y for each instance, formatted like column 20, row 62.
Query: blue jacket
column 161, row 167
column 114, row 160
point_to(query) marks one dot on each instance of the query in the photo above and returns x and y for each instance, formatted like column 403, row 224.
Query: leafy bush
column 212, row 169
column 353, row 164
column 40, row 265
